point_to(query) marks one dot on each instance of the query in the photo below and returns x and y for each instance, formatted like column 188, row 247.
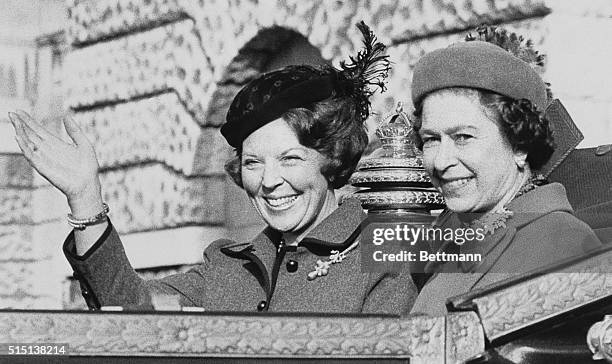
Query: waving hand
column 71, row 167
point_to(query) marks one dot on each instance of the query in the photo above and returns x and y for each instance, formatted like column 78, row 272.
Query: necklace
column 494, row 220
column 531, row 184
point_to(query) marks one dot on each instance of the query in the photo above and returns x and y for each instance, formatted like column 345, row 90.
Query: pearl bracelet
column 81, row 224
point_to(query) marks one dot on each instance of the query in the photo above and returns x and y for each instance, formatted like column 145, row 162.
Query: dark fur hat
column 272, row 94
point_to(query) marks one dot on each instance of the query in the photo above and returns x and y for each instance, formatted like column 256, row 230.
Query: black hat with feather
column 268, row 97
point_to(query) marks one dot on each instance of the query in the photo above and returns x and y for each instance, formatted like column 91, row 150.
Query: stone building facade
column 150, row 82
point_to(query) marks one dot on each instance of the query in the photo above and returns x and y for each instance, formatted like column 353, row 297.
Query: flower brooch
column 336, row 256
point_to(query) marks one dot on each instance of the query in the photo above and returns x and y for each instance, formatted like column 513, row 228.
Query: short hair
column 524, row 127
column 332, row 128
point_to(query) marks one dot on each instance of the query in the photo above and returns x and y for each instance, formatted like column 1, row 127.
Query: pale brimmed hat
column 482, row 65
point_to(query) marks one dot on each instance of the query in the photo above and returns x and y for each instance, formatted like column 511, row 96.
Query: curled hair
column 330, row 127
column 526, row 129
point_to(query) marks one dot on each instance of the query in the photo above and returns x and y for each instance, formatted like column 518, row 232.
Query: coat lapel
column 338, row 230
column 526, row 208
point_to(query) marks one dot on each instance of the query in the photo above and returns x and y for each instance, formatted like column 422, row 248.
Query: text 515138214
column 34, row 349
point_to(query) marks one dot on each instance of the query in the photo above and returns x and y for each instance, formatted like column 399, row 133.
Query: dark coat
column 541, row 232
column 587, row 177
column 240, row 276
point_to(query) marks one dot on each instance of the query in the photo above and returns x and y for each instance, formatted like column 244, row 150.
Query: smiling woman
column 467, row 156
column 482, row 118
column 298, row 134
column 291, row 166
column 284, row 180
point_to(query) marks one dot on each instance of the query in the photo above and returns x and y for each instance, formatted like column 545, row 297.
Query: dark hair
column 525, row 128
column 331, row 128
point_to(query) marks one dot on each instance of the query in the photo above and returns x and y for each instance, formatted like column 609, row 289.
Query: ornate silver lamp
column 396, row 184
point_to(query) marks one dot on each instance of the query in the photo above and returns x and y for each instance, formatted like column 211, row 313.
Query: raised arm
column 71, row 167
column 104, row 271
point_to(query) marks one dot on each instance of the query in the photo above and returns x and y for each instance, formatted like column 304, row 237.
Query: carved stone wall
column 31, row 229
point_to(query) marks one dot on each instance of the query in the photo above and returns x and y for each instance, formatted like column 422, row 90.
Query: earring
column 521, row 160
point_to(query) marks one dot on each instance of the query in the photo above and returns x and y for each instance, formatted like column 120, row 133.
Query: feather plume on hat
column 269, row 96
column 369, row 68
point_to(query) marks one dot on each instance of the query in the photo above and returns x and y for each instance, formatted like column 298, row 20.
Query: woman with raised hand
column 298, row 134
column 481, row 116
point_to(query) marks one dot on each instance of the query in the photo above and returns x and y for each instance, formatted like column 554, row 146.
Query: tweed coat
column 261, row 275
column 542, row 231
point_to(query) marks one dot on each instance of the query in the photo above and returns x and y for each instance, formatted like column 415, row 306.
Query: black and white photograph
column 313, row 181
